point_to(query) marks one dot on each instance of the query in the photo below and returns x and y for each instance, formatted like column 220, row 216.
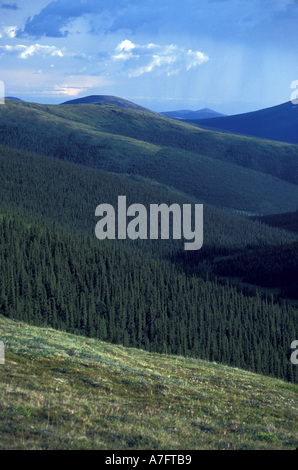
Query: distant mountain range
column 276, row 123
column 183, row 114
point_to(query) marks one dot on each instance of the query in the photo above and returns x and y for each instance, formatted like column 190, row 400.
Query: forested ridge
column 225, row 171
column 50, row 189
column 79, row 123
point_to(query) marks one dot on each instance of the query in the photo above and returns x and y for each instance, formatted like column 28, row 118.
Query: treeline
column 75, row 284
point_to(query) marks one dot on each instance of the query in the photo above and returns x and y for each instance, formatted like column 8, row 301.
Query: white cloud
column 43, row 50
column 27, row 82
column 33, row 49
column 147, row 58
column 125, row 47
column 10, row 31
column 65, row 91
column 195, row 58
column 78, row 84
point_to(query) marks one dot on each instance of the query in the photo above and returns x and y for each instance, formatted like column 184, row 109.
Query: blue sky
column 229, row 55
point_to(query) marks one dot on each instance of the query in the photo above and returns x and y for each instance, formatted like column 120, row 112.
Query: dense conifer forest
column 73, row 284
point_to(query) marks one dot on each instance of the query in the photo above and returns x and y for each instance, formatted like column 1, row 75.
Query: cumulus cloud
column 147, row 58
column 124, row 50
column 195, row 58
column 24, row 52
column 10, row 31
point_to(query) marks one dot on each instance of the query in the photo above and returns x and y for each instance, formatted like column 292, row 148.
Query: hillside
column 48, row 189
column 276, row 123
column 142, row 145
column 67, row 392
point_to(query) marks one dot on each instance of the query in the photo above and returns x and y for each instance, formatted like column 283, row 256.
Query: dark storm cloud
column 52, row 20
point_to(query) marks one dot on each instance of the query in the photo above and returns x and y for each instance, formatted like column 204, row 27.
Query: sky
column 232, row 56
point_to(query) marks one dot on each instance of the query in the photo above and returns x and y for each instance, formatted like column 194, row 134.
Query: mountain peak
column 12, row 98
column 107, row 99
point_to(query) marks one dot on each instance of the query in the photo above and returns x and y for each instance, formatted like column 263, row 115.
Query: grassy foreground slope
column 60, row 391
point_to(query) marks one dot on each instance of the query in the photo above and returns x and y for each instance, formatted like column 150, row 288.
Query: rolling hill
column 276, row 123
column 67, row 392
column 232, row 172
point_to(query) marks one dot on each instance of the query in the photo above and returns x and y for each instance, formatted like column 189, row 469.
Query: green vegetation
column 45, row 188
column 60, row 391
column 225, row 171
